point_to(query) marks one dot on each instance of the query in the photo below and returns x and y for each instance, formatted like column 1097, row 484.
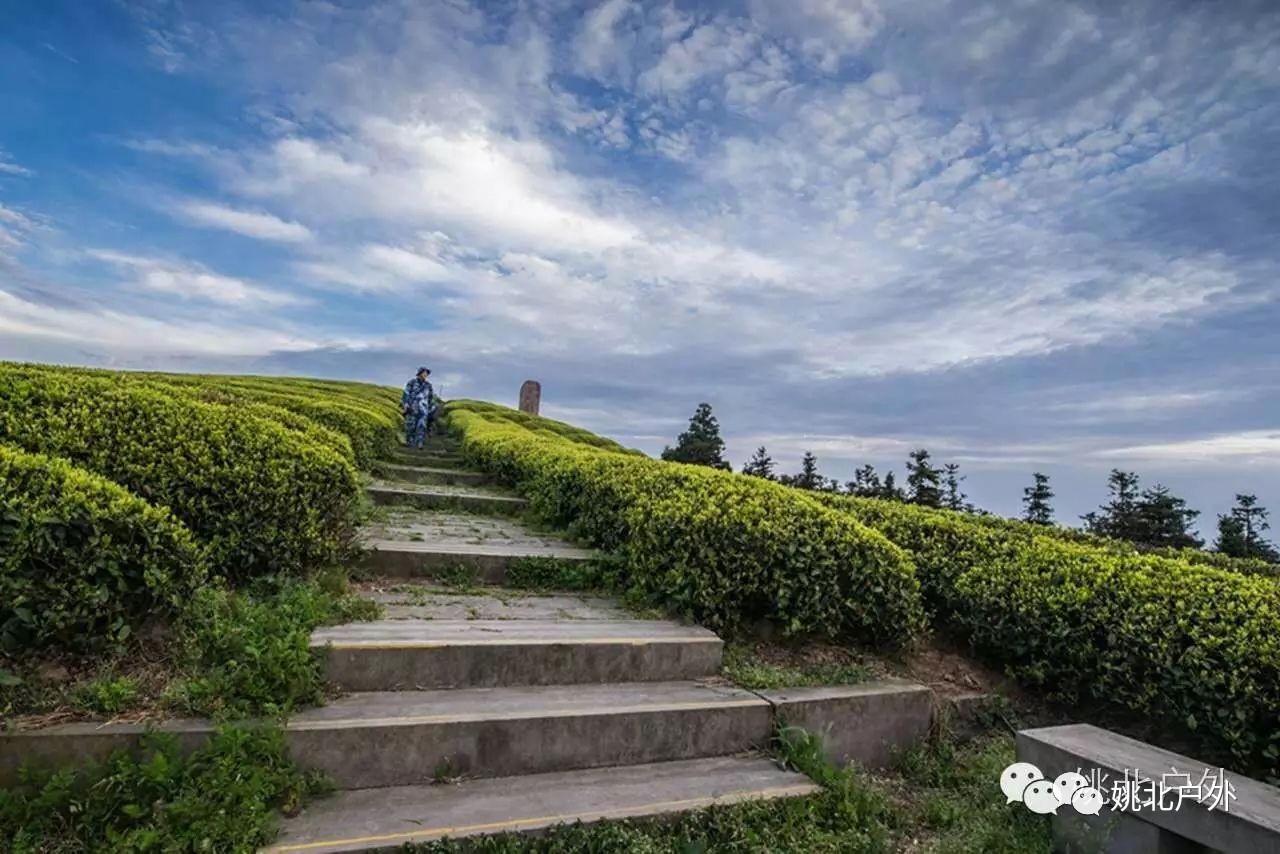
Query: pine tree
column 701, row 443
column 1154, row 518
column 890, row 491
column 865, row 483
column 1166, row 521
column 952, row 497
column 1231, row 541
column 761, row 465
column 923, row 480
column 1240, row 531
column 1036, row 500
column 808, row 478
column 1118, row 517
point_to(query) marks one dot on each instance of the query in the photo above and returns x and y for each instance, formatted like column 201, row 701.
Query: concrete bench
column 1245, row 813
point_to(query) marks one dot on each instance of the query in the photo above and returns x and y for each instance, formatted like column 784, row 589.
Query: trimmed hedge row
column 537, row 423
column 261, row 497
column 727, row 550
column 368, row 416
column 83, row 561
column 1189, row 646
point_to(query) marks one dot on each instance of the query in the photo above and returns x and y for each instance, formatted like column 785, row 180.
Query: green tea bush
column 727, row 550
column 494, row 411
column 261, row 497
column 1193, row 647
column 82, row 561
column 369, row 420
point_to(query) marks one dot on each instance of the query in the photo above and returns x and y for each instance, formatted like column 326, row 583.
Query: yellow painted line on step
column 520, row 823
column 508, row 641
column 410, row 720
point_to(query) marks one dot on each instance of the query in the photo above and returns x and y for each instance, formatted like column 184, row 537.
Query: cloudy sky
column 1027, row 235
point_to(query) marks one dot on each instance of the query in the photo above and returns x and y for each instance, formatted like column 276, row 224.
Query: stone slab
column 425, row 602
column 1250, row 823
column 411, row 737
column 432, row 475
column 386, row 655
column 398, row 738
column 384, row 820
column 439, row 497
column 868, row 723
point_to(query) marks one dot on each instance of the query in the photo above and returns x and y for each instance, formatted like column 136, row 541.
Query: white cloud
column 1261, row 447
column 263, row 226
column 8, row 167
column 190, row 281
column 378, row 267
column 123, row 333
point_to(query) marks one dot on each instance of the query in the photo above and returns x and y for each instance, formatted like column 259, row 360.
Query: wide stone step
column 488, row 562
column 387, row 655
column 413, row 600
column 446, row 498
column 426, row 457
column 405, row 738
column 387, row 819
column 398, row 738
column 433, row 475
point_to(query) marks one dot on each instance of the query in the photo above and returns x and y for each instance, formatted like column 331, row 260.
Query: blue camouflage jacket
column 418, row 394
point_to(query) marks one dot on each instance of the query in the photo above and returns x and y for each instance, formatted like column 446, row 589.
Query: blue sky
column 1028, row 236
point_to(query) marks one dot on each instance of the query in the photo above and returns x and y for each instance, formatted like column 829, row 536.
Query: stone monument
column 530, row 396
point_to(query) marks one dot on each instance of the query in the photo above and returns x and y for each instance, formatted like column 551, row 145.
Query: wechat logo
column 1023, row 782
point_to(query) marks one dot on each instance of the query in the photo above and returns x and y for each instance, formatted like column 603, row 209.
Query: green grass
column 222, row 798
column 951, row 793
column 110, row 695
column 743, row 666
column 550, row 573
column 231, row 653
column 248, row 652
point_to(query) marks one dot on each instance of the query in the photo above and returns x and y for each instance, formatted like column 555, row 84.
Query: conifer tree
column 808, row 478
column 1166, row 521
column 1035, row 500
column 1240, row 531
column 865, row 483
column 701, row 443
column 1118, row 517
column 923, row 480
column 952, row 497
column 760, row 465
column 889, row 490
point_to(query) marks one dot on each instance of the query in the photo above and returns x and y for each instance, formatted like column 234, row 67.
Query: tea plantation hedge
column 1193, row 647
column 259, row 496
column 1187, row 645
column 366, row 415
column 725, row 549
column 83, row 561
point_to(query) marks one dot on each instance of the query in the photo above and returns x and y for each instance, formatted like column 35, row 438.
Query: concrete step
column 407, row 738
column 474, row 499
column 401, row 738
column 432, row 475
column 387, row 819
column 427, row 456
column 388, row 655
column 489, row 563
column 411, row 600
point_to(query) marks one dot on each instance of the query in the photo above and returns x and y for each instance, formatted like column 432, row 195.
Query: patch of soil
column 811, row 656
column 53, row 687
column 951, row 672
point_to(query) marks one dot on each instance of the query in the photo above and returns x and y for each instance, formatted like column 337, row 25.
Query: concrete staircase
column 549, row 709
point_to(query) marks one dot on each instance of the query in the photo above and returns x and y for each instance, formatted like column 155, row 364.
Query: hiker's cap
column 424, row 370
